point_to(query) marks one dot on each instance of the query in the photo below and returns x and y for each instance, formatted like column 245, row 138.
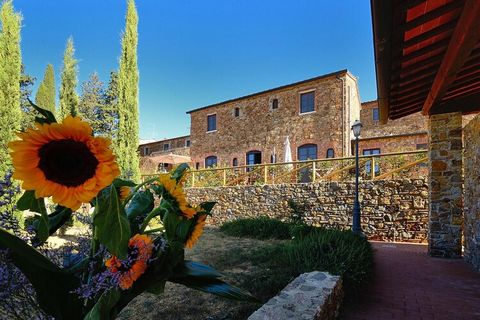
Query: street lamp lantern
column 356, row 226
column 357, row 128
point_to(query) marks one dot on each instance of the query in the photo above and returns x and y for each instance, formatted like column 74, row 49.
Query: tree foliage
column 28, row 114
column 127, row 139
column 10, row 70
column 45, row 97
column 97, row 105
column 68, row 91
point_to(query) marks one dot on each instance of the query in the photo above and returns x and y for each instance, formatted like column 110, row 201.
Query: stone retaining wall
column 315, row 295
column 472, row 192
column 392, row 210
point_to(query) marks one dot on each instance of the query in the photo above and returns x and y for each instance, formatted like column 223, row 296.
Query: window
column 187, row 143
column 273, row 158
column 274, row 104
column 212, row 122
column 146, row 151
column 375, row 114
column 422, row 146
column 197, row 165
column 253, row 157
column 330, row 153
column 307, row 102
column 166, row 146
column 237, row 112
column 235, row 162
column 307, row 152
column 210, row 161
column 368, row 164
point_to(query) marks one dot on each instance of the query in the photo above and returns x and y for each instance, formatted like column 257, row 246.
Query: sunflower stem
column 135, row 190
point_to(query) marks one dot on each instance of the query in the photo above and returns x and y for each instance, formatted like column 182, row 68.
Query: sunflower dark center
column 67, row 162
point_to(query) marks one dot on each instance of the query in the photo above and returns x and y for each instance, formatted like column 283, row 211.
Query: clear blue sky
column 193, row 53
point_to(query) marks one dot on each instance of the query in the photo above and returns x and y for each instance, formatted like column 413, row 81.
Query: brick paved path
column 411, row 285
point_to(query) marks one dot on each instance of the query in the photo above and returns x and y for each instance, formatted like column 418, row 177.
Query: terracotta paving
column 409, row 284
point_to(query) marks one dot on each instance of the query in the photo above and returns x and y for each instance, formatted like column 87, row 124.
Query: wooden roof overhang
column 427, row 56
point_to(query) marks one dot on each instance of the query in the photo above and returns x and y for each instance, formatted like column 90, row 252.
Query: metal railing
column 410, row 164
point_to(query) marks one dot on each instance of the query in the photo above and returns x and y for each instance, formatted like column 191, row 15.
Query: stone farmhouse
column 315, row 114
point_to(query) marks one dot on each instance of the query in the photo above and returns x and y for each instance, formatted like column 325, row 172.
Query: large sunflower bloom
column 63, row 160
column 140, row 248
column 175, row 190
column 196, row 232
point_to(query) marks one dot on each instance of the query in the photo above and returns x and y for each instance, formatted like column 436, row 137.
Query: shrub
column 338, row 252
column 258, row 228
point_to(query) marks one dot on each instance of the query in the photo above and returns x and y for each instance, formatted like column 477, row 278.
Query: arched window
column 275, row 104
column 197, row 165
column 210, row 161
column 253, row 157
column 237, row 112
column 307, row 152
column 330, row 153
column 235, row 162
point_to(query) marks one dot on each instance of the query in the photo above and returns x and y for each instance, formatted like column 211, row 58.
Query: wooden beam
column 438, row 12
column 463, row 41
column 466, row 104
column 443, row 28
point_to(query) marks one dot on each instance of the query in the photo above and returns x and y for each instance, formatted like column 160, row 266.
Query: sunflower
column 124, row 192
column 196, row 232
column 63, row 160
column 176, row 192
column 140, row 248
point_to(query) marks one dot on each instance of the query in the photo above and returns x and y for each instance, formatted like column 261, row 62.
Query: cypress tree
column 45, row 97
column 127, row 137
column 109, row 123
column 92, row 102
column 28, row 114
column 10, row 71
column 68, row 91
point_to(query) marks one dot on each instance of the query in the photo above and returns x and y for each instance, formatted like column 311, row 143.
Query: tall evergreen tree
column 10, row 70
column 109, row 123
column 45, row 97
column 127, row 138
column 68, row 87
column 28, row 114
column 92, row 102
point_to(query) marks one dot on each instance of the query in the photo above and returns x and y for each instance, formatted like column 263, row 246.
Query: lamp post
column 356, row 227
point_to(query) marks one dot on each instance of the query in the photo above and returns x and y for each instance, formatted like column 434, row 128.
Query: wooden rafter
column 464, row 38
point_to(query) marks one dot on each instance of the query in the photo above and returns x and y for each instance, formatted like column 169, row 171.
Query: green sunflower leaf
column 180, row 171
column 102, row 310
column 112, row 227
column 123, row 183
column 207, row 206
column 206, row 279
column 41, row 226
column 54, row 220
column 48, row 116
column 53, row 286
column 141, row 203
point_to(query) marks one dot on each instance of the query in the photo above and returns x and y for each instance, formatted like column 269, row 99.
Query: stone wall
column 472, row 192
column 261, row 128
column 392, row 210
column 401, row 143
column 314, row 295
column 446, row 185
column 415, row 123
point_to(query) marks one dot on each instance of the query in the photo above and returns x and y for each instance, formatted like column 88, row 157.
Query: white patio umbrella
column 287, row 156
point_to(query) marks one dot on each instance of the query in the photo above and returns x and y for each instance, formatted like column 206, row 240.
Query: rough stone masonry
column 392, row 210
